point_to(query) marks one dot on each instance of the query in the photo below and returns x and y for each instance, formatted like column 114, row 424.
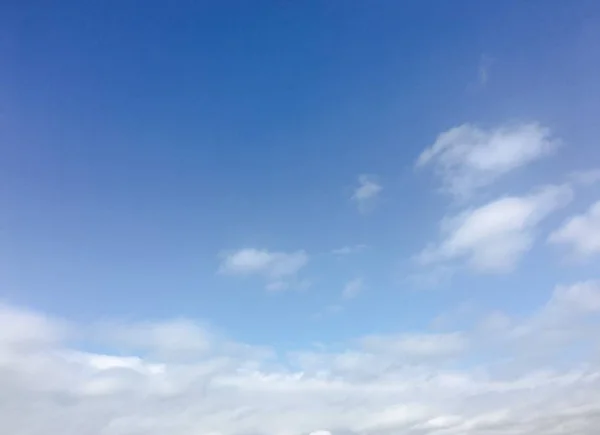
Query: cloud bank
column 410, row 382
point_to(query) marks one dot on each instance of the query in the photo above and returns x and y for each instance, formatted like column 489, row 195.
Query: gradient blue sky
column 144, row 143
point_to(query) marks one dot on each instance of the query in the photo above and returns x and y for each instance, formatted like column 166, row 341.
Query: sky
column 299, row 218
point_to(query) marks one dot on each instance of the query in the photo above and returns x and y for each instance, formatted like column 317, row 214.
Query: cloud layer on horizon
column 413, row 382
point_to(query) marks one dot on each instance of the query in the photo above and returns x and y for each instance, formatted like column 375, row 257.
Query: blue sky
column 293, row 185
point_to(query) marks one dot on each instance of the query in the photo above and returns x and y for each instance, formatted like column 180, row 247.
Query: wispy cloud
column 352, row 288
column 484, row 70
column 493, row 237
column 586, row 177
column 467, row 158
column 368, row 189
column 581, row 233
column 349, row 249
column 277, row 268
column 562, row 321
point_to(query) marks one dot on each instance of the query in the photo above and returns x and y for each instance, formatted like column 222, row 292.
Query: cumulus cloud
column 380, row 385
column 278, row 268
column 467, row 157
column 493, row 237
column 366, row 192
column 580, row 233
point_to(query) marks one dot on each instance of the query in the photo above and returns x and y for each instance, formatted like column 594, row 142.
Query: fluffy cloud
column 581, row 233
column 368, row 189
column 467, row 157
column 278, row 268
column 24, row 328
column 494, row 236
column 383, row 385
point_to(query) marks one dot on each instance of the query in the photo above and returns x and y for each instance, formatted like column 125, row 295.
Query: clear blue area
column 139, row 139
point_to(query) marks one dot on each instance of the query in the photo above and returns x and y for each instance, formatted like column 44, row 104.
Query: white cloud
column 278, row 268
column 581, row 233
column 21, row 327
column 577, row 298
column 467, row 157
column 568, row 305
column 368, row 189
column 352, row 288
column 175, row 338
column 390, row 384
column 562, row 321
column 493, row 237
